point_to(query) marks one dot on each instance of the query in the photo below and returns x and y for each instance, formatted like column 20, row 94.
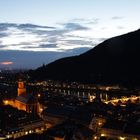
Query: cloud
column 3, row 34
column 85, row 21
column 43, row 47
column 31, row 45
column 103, row 28
column 30, row 37
column 79, row 42
column 2, row 46
column 6, row 63
column 5, row 26
column 117, row 17
column 48, row 46
column 94, row 21
column 102, row 39
column 27, row 25
column 74, row 26
column 120, row 27
column 78, row 51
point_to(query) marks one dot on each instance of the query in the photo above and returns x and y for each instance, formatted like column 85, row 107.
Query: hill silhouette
column 116, row 60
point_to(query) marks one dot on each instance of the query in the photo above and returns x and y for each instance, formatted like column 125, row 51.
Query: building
column 24, row 101
column 120, row 130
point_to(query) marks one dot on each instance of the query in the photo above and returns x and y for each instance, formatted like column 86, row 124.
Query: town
column 67, row 110
column 69, row 70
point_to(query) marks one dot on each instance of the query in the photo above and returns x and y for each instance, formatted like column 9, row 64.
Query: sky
column 36, row 32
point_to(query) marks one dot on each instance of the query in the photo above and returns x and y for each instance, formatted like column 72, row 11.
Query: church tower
column 21, row 87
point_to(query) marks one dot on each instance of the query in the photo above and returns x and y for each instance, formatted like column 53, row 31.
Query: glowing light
column 6, row 63
column 26, row 133
column 99, row 123
column 102, row 135
column 8, row 136
column 38, row 95
column 122, row 138
column 6, row 102
column 41, row 109
column 95, row 138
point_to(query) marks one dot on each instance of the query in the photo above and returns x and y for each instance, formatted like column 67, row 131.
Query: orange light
column 99, row 123
column 6, row 63
column 95, row 138
column 6, row 102
column 38, row 95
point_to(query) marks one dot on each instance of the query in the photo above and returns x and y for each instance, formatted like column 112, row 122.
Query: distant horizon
column 33, row 32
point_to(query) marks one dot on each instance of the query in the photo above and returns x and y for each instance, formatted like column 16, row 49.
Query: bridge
column 123, row 99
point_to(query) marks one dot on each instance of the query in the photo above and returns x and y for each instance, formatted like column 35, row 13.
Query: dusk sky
column 36, row 32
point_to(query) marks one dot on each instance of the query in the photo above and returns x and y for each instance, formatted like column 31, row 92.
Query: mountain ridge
column 114, row 60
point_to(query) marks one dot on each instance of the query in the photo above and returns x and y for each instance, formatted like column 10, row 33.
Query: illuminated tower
column 21, row 87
